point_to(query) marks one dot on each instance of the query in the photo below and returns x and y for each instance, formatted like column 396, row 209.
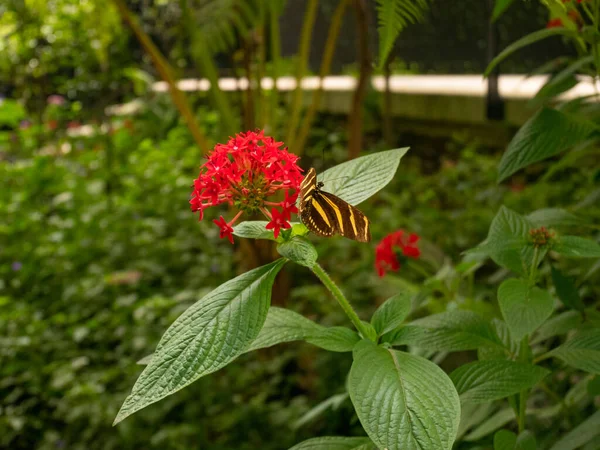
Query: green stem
column 534, row 265
column 335, row 24
column 303, row 53
column 341, row 299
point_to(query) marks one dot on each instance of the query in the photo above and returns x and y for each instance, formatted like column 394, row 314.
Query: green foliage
column 335, row 443
column 483, row 381
column 582, row 351
column 546, row 134
column 391, row 313
column 392, row 17
column 524, row 307
column 402, row 400
column 283, row 325
column 356, row 180
column 206, row 337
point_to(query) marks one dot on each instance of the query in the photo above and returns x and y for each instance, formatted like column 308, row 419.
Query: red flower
column 244, row 173
column 226, row 229
column 278, row 221
column 386, row 255
column 554, row 23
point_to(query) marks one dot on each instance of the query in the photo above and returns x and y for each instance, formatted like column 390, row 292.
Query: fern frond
column 392, row 17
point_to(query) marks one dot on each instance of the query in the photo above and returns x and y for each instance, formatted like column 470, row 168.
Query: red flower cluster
column 244, row 173
column 573, row 14
column 391, row 247
column 540, row 237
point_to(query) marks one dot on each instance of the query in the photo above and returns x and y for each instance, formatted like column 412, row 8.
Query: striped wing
column 325, row 214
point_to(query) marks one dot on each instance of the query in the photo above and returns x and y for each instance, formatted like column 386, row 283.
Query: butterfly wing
column 349, row 221
column 326, row 214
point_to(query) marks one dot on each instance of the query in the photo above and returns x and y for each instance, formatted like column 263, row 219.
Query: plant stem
column 335, row 24
column 341, row 299
column 534, row 264
column 303, row 53
column 166, row 73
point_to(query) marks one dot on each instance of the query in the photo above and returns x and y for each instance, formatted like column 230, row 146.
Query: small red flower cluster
column 572, row 13
column 244, row 173
column 386, row 257
column 540, row 237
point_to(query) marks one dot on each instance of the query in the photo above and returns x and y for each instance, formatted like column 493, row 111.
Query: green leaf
column 581, row 434
column 391, row 313
column 525, row 41
column 554, row 217
column 370, row 329
column 483, row 381
column 499, row 7
column 472, row 414
column 299, row 250
column 593, row 386
column 356, row 180
column 505, row 440
column 507, row 242
column 253, row 229
column 576, row 247
column 402, row 400
column 546, row 134
column 450, row 331
column 581, row 352
column 498, row 420
column 509, row 348
column 558, row 325
column 526, row 441
column 566, row 290
column 206, row 337
column 524, row 307
column 283, row 325
column 564, row 80
column 335, row 443
column 392, row 17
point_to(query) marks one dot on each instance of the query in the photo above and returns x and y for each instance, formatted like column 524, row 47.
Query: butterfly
column 326, row 214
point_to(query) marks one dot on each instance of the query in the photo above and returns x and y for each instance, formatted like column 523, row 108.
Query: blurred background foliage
column 99, row 252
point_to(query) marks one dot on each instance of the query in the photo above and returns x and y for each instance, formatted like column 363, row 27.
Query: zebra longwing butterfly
column 325, row 214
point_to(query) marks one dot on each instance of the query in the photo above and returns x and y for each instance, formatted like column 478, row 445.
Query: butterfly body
column 326, row 214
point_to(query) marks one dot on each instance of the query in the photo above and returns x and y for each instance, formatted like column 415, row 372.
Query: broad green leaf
column 145, row 360
column 505, row 440
column 581, row 352
column 526, row 441
column 450, row 331
column 391, row 313
column 567, row 290
column 507, row 242
column 334, row 339
column 564, row 80
column 284, row 325
column 577, row 247
column 498, row 420
column 546, row 134
column 403, row 401
column 509, row 349
column 299, row 250
column 554, row 217
column 356, row 180
column 581, row 434
column 499, row 7
column 483, row 381
column 371, row 333
column 524, row 307
column 335, row 443
column 253, row 229
column 525, row 41
column 206, row 337
column 557, row 326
